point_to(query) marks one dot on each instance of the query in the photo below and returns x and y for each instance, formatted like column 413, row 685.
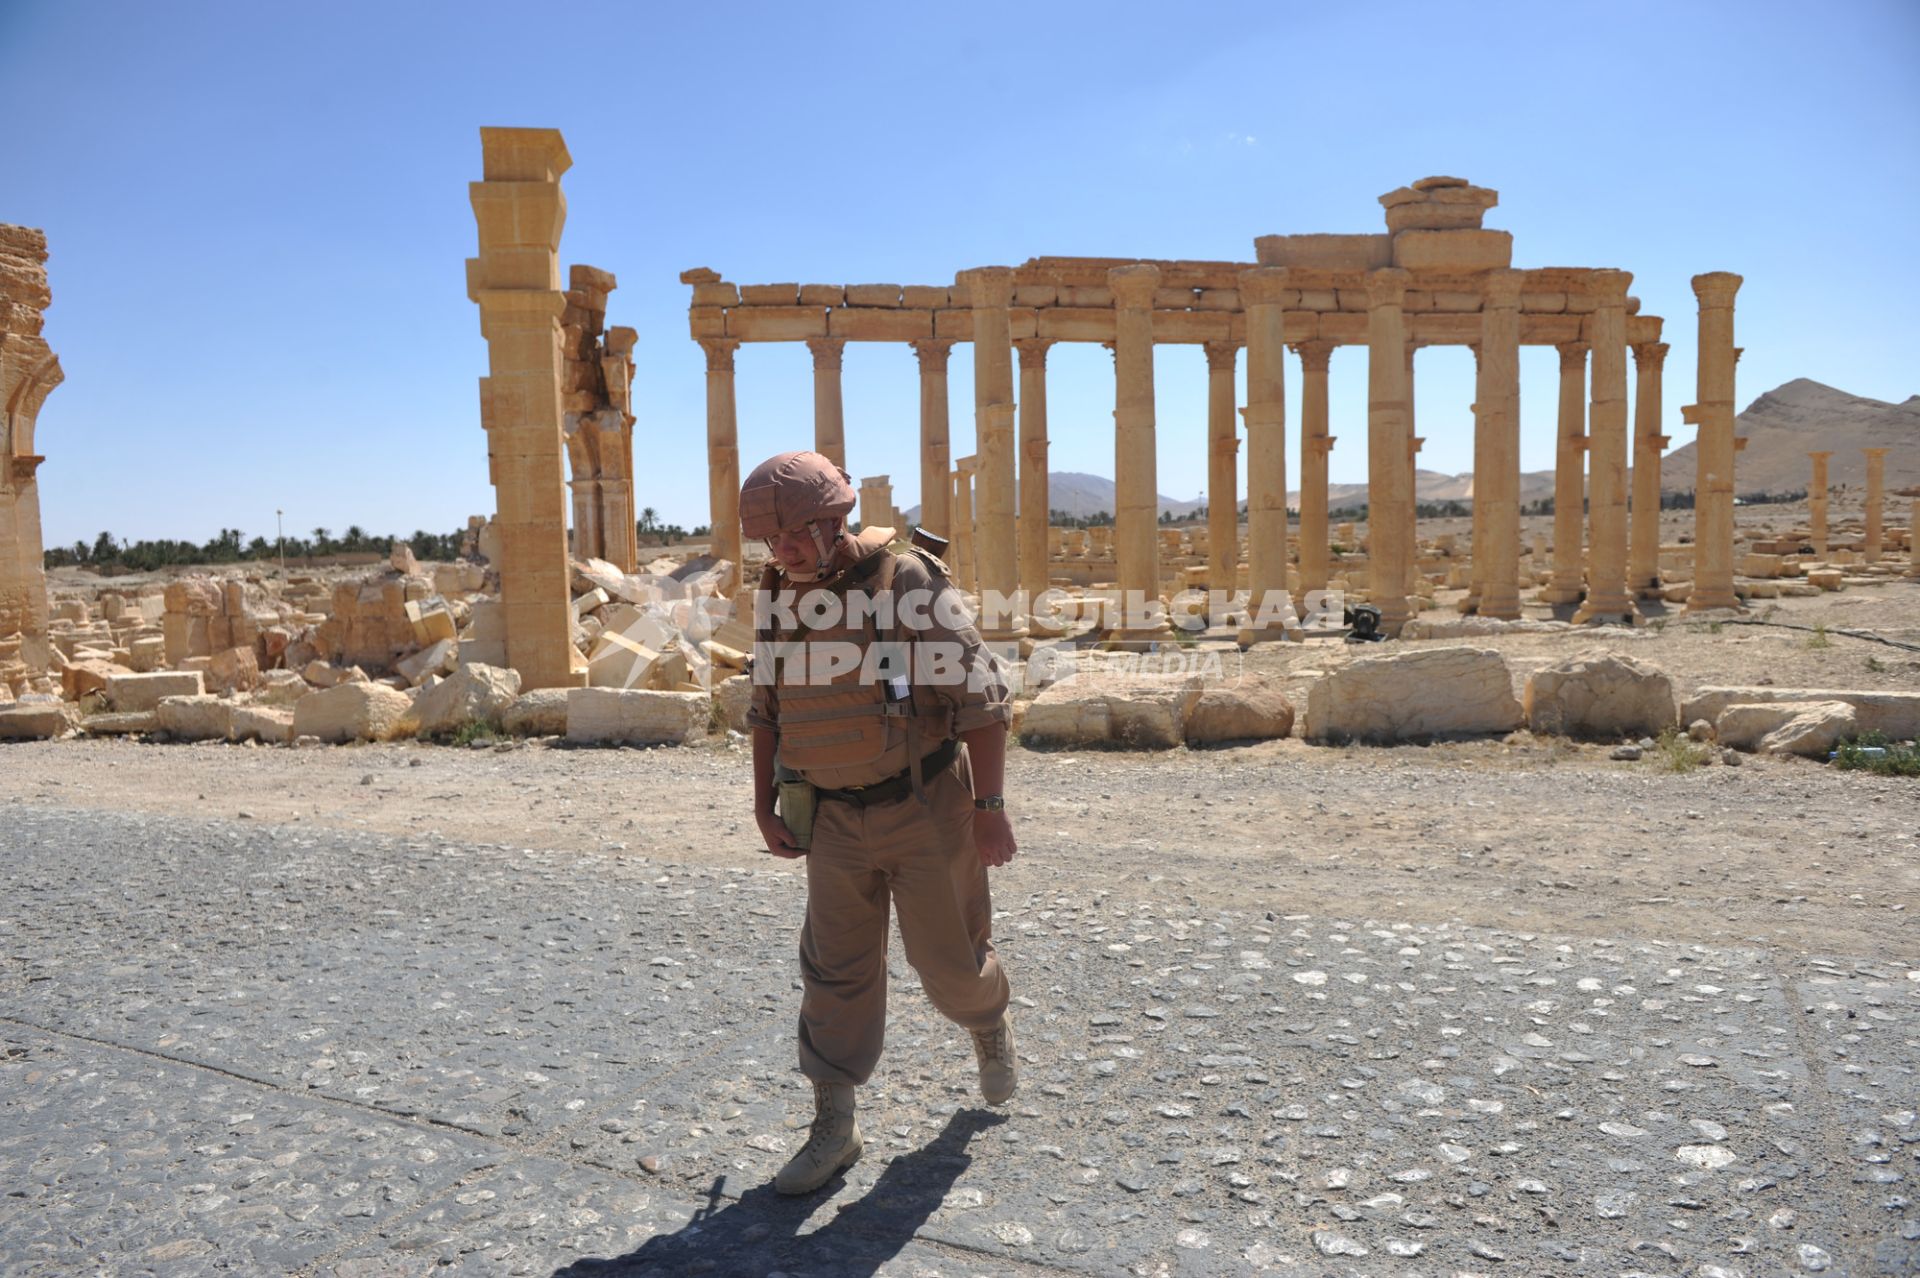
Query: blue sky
column 258, row 213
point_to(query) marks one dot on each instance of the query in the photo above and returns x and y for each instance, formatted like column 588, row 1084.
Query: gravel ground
column 1488, row 1007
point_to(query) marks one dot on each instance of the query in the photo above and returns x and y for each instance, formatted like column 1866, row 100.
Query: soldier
column 872, row 687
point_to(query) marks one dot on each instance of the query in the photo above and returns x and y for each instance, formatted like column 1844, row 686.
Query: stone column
column 1876, row 497
column 1389, row 495
column 1817, row 503
column 1414, row 444
column 1265, row 292
column 1223, row 475
column 1496, row 488
column 1034, row 570
column 1643, row 555
column 1136, row 481
column 1569, row 481
column 876, row 502
column 966, row 565
column 995, row 550
column 1315, row 445
column 723, row 456
column 936, row 482
column 516, row 282
column 1714, row 415
column 29, row 371
column 1607, row 597
column 1913, row 542
column 829, row 410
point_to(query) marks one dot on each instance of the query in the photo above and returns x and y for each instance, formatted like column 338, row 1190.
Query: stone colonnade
column 516, row 283
column 29, row 371
column 1876, row 497
column 1713, row 413
column 1817, row 502
column 1435, row 278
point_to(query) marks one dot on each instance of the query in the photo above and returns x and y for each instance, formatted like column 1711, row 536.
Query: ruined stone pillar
column 29, row 371
column 1607, row 597
column 1643, row 555
column 1223, row 475
column 876, row 502
column 1414, row 444
column 1034, row 572
column 1389, row 494
column 1135, row 463
column 966, row 562
column 723, row 455
column 1315, row 445
column 516, row 283
column 936, row 480
column 1569, row 479
column 1265, row 292
column 1876, row 496
column 1913, row 542
column 829, row 409
column 1496, row 488
column 995, row 549
column 1817, row 503
column 1714, row 415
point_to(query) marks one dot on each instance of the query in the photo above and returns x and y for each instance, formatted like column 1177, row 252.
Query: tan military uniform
column 920, row 857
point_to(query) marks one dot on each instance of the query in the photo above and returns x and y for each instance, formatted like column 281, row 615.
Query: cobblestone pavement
column 234, row 1048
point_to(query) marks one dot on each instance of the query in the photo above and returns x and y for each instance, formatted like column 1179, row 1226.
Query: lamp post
column 280, row 528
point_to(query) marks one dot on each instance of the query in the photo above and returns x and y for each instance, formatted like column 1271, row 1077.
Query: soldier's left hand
column 993, row 836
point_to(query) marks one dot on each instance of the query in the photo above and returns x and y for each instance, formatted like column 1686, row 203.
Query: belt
column 901, row 783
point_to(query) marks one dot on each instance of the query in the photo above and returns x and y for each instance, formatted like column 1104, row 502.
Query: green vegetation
column 1872, row 752
column 1818, row 639
column 1677, row 752
column 470, row 732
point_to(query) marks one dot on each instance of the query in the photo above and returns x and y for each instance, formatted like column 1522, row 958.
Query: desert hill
column 1788, row 422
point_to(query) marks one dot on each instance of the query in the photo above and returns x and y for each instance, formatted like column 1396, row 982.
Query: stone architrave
column 1264, row 294
column 1033, row 465
column 1389, row 494
column 1643, row 553
column 1496, row 489
column 723, row 458
column 1223, row 475
column 1315, row 445
column 1136, row 482
column 1817, row 503
column 876, row 502
column 829, row 410
column 1713, row 414
column 995, row 552
column 1607, row 597
column 1569, row 479
column 1876, row 498
column 515, row 281
column 29, row 371
column 936, row 483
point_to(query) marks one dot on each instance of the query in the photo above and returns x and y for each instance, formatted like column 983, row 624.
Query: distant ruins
column 28, row 371
column 1435, row 277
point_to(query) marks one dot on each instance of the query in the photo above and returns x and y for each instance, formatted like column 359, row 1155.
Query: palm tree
column 322, row 541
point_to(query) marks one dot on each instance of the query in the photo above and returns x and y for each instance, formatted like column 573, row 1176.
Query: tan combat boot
column 994, row 1049
column 833, row 1143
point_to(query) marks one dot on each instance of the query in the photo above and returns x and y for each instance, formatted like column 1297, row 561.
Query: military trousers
column 922, row 860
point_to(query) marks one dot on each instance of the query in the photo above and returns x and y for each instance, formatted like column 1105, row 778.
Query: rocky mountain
column 1082, row 495
column 1788, row 422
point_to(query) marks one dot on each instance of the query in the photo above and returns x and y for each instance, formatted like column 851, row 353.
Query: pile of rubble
column 404, row 649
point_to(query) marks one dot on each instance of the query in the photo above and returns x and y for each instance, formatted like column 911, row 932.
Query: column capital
column 827, row 352
column 1649, row 356
column 988, row 286
column 1387, row 286
column 1716, row 288
column 1314, row 356
column 1609, row 287
column 1133, row 285
column 1502, row 288
column 1264, row 285
column 1033, row 352
column 1221, row 356
column 932, row 353
column 1875, row 454
column 1820, row 457
column 719, row 353
column 1573, row 356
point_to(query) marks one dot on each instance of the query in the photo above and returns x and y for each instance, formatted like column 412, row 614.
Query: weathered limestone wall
column 597, row 403
column 28, row 371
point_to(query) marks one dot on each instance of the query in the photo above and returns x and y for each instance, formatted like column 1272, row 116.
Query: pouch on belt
column 797, row 801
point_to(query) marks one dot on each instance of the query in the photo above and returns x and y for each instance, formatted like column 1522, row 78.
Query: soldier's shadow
column 761, row 1231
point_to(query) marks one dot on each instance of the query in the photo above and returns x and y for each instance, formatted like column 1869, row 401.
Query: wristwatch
column 991, row 803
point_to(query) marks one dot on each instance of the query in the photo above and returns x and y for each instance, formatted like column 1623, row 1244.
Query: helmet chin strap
column 825, row 549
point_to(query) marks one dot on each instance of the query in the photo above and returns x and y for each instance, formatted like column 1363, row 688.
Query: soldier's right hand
column 779, row 839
